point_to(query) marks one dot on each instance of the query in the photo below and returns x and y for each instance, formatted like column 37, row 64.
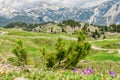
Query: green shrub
column 60, row 47
column 77, row 51
column 13, row 60
column 69, row 57
column 51, row 60
column 20, row 52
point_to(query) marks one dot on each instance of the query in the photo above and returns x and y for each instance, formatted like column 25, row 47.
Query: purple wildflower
column 89, row 70
column 112, row 73
column 75, row 70
column 83, row 72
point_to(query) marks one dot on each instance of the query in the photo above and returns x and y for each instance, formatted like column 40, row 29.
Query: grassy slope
column 109, row 44
column 33, row 41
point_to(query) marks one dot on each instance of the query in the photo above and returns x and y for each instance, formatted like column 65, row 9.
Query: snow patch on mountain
column 107, row 12
column 7, row 12
column 92, row 18
column 112, row 14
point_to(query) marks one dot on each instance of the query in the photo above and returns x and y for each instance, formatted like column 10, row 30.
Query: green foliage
column 104, row 37
column 20, row 52
column 25, row 26
column 13, row 60
column 114, row 28
column 104, row 56
column 71, row 23
column 69, row 57
column 96, row 34
column 108, row 44
column 103, row 28
column 60, row 47
column 33, row 41
column 51, row 60
column 81, row 37
column 78, row 51
column 85, row 28
column 58, row 56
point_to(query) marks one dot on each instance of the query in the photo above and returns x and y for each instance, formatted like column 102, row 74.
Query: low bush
column 68, row 57
column 20, row 52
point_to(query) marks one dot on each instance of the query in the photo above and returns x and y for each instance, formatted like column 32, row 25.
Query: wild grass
column 103, row 56
column 109, row 44
column 100, row 61
column 100, row 72
column 33, row 42
column 26, row 33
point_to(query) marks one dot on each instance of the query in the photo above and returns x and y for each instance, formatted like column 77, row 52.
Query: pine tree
column 69, row 57
column 78, row 51
column 20, row 52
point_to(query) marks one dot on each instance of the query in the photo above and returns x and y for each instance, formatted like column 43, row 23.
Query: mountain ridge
column 104, row 14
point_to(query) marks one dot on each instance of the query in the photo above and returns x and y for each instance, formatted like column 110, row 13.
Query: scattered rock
column 3, row 33
column 20, row 78
column 7, row 68
column 83, row 61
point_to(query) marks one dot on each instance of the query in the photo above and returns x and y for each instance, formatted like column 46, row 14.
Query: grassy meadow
column 100, row 61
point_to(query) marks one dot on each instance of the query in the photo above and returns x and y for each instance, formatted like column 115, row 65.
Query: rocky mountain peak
column 105, row 13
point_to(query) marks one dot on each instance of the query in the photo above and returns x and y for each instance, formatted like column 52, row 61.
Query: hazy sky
column 66, row 3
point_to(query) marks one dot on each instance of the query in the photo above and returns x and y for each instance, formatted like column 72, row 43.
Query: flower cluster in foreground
column 112, row 73
column 90, row 71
